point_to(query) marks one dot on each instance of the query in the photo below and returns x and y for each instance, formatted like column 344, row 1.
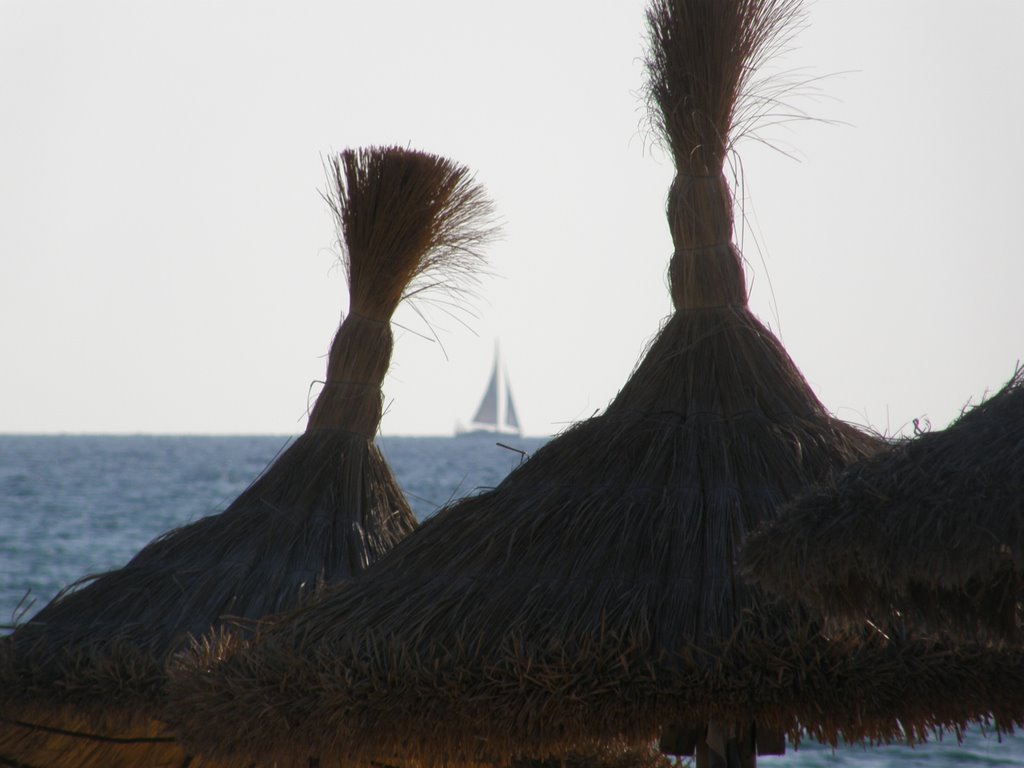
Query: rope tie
column 367, row 318
column 706, row 269
column 685, row 175
column 348, row 383
column 701, row 248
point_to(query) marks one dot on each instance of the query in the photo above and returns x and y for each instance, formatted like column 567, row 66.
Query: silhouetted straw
column 592, row 597
column 91, row 663
column 933, row 529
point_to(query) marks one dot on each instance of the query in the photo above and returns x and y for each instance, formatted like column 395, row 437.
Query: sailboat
column 496, row 414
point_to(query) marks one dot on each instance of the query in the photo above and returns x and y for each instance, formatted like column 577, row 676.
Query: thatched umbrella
column 592, row 596
column 932, row 528
column 81, row 682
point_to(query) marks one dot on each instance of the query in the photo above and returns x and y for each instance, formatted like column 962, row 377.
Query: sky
column 167, row 264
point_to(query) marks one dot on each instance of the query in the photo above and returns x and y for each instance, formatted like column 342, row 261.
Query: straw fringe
column 68, row 739
column 841, row 688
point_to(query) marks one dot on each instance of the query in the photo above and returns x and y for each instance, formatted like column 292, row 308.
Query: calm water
column 76, row 505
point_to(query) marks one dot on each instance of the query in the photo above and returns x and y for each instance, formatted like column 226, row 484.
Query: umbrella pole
column 703, row 756
column 708, row 758
column 737, row 753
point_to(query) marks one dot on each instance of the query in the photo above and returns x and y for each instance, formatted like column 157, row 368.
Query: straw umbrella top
column 592, row 596
column 326, row 508
column 934, row 526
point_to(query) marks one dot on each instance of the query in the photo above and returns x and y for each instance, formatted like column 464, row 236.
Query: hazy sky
column 167, row 264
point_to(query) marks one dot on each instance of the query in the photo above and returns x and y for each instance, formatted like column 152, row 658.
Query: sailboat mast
column 499, row 376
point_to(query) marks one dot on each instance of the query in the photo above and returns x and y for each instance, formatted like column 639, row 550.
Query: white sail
column 510, row 410
column 496, row 414
column 487, row 413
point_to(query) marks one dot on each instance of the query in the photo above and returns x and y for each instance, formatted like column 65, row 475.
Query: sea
column 72, row 505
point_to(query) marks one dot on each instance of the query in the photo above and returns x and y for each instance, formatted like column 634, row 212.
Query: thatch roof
column 592, row 596
column 92, row 661
column 933, row 527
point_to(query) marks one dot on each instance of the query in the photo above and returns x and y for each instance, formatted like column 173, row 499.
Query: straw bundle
column 933, row 528
column 592, row 597
column 92, row 661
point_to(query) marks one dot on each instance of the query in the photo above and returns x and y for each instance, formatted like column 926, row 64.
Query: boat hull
column 485, row 432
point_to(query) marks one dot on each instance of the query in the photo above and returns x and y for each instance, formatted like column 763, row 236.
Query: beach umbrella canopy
column 933, row 528
column 592, row 596
column 81, row 682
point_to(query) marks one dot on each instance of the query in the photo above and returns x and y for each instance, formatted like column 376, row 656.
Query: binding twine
column 706, row 269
